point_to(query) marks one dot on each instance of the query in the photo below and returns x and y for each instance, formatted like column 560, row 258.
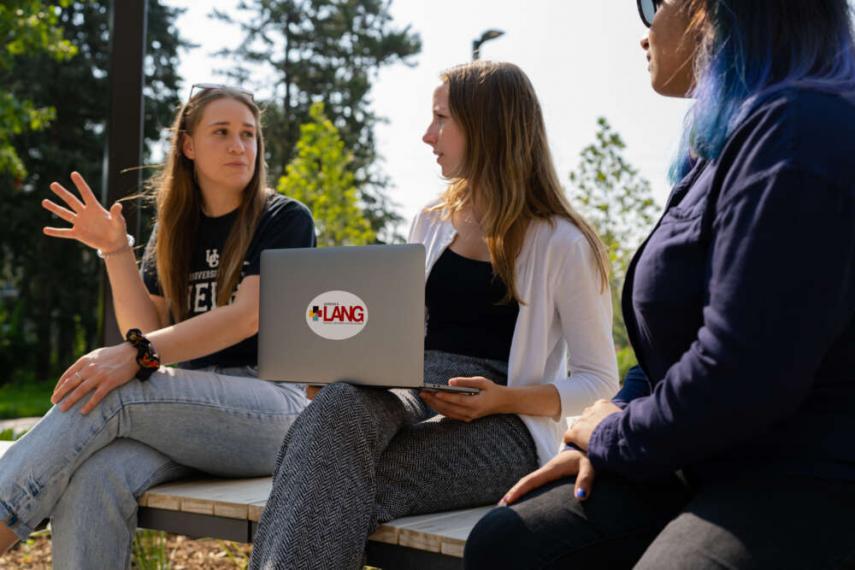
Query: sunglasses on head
column 647, row 9
column 199, row 87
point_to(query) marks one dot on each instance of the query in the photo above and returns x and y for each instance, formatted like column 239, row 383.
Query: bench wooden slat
column 244, row 499
column 445, row 533
column 228, row 498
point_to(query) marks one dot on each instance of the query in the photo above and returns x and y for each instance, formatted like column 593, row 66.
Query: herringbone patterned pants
column 357, row 457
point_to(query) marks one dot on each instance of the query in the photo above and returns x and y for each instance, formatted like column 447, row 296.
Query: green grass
column 25, row 399
column 150, row 550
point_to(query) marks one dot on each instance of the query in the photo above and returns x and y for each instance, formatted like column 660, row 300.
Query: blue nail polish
column 580, row 493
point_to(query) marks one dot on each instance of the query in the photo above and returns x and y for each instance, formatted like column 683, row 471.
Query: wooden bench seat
column 230, row 509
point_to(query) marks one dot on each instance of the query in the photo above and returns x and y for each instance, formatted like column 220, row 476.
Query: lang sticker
column 337, row 315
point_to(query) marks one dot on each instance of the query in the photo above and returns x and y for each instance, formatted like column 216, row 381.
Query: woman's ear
column 187, row 146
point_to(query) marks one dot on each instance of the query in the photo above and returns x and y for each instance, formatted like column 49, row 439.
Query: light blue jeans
column 87, row 472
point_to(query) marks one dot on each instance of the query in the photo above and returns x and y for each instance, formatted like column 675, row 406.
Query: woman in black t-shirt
column 121, row 423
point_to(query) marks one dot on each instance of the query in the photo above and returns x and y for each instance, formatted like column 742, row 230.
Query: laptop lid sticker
column 337, row 315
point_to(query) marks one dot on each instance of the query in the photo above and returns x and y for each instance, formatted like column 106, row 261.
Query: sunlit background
column 584, row 59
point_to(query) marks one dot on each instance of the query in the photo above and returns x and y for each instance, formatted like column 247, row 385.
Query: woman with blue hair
column 731, row 446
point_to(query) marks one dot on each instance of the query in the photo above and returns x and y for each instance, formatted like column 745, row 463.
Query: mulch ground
column 180, row 552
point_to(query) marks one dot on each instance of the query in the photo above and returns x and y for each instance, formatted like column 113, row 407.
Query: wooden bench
column 229, row 509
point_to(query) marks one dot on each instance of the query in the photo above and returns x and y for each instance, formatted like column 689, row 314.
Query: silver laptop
column 344, row 314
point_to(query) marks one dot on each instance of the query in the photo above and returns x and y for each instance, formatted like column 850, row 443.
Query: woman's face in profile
column 445, row 136
column 670, row 47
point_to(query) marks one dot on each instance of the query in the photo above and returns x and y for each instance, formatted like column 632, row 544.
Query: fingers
column 59, row 211
column 79, row 365
column 84, row 189
column 448, row 409
column 64, row 233
column 584, row 480
column 64, row 385
column 525, row 485
column 473, row 382
column 102, row 390
column 83, row 388
column 555, row 469
column 116, row 211
column 69, row 380
column 67, row 197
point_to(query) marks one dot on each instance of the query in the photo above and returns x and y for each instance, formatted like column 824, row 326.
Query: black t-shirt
column 285, row 223
column 462, row 296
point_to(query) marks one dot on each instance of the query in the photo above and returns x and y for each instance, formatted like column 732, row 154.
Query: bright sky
column 583, row 58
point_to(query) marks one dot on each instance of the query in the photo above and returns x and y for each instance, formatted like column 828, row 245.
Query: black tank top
column 463, row 314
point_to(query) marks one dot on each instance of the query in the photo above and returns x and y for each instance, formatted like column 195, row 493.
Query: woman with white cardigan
column 516, row 282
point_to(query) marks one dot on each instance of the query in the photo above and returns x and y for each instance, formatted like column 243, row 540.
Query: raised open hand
column 91, row 224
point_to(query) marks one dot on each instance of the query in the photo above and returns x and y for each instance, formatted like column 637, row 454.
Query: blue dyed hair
column 752, row 48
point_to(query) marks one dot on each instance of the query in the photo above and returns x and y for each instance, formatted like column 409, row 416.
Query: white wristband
column 106, row 254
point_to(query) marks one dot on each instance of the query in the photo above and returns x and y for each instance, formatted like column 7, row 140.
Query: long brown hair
column 507, row 168
column 179, row 208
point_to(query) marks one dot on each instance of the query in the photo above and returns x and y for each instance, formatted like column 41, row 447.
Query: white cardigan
column 565, row 314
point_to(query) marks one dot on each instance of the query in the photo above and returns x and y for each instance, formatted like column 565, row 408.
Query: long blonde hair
column 179, row 208
column 507, row 168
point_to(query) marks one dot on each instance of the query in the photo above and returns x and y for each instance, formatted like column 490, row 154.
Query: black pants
column 753, row 521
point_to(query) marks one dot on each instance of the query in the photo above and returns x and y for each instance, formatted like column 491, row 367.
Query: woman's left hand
column 580, row 432
column 464, row 407
column 566, row 464
column 100, row 372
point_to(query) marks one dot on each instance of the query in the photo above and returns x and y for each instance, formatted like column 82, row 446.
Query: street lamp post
column 485, row 37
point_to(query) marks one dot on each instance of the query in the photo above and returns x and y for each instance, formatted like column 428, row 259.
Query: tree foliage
column 304, row 51
column 49, row 288
column 319, row 176
column 617, row 201
column 26, row 27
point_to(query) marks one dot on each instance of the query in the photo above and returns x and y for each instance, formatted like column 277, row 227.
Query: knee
column 497, row 541
column 691, row 542
column 339, row 391
column 339, row 400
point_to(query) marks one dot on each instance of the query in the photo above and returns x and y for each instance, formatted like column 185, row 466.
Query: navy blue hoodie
column 741, row 307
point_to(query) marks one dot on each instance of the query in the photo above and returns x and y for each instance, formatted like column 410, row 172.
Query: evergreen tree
column 51, row 308
column 329, row 50
column 617, row 201
column 319, row 176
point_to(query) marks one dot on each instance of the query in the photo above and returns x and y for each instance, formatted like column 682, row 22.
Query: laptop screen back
column 353, row 314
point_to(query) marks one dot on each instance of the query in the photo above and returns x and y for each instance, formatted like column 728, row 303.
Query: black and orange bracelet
column 147, row 358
